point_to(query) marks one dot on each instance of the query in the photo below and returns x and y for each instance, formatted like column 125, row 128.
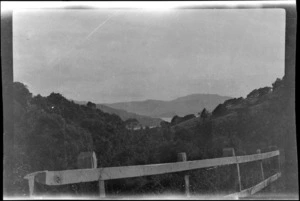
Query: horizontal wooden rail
column 89, row 175
column 254, row 189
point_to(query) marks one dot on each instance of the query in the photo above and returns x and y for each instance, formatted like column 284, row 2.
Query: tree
column 91, row 105
column 259, row 92
column 175, row 120
column 204, row 114
column 131, row 123
column 219, row 110
column 21, row 93
column 187, row 117
column 277, row 83
column 165, row 124
column 264, row 91
column 253, row 94
column 233, row 101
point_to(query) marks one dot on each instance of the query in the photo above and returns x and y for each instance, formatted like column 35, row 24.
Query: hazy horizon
column 153, row 99
column 109, row 55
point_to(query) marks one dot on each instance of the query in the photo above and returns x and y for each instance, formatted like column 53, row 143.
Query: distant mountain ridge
column 124, row 115
column 190, row 104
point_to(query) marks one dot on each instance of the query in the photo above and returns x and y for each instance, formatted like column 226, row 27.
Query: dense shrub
column 259, row 92
column 176, row 119
column 219, row 110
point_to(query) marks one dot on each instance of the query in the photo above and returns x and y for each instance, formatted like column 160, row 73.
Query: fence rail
column 54, row 178
column 254, row 189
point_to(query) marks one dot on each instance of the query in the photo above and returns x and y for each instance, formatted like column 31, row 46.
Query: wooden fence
column 54, row 178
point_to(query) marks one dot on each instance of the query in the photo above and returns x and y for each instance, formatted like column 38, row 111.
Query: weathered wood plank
column 182, row 157
column 88, row 175
column 31, row 186
column 261, row 166
column 231, row 152
column 35, row 177
column 254, row 189
column 255, row 157
column 102, row 189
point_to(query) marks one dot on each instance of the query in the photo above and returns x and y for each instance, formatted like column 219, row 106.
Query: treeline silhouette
column 51, row 131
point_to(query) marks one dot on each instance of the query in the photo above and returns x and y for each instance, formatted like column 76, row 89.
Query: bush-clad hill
column 259, row 120
column 264, row 118
column 51, row 131
column 124, row 115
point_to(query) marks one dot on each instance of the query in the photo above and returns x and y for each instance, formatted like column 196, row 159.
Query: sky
column 110, row 55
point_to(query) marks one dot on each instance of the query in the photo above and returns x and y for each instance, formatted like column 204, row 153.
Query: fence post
column 31, row 185
column 261, row 166
column 89, row 160
column 86, row 160
column 281, row 160
column 102, row 188
column 182, row 157
column 273, row 160
column 230, row 152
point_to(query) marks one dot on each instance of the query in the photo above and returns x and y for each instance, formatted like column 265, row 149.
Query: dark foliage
column 219, row 110
column 176, row 119
column 233, row 101
column 165, row 124
column 259, row 92
column 51, row 131
column 131, row 123
column 204, row 114
column 277, row 84
column 91, row 105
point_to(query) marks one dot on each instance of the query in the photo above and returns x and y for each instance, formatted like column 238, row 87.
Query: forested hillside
column 124, row 115
column 51, row 131
column 262, row 119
